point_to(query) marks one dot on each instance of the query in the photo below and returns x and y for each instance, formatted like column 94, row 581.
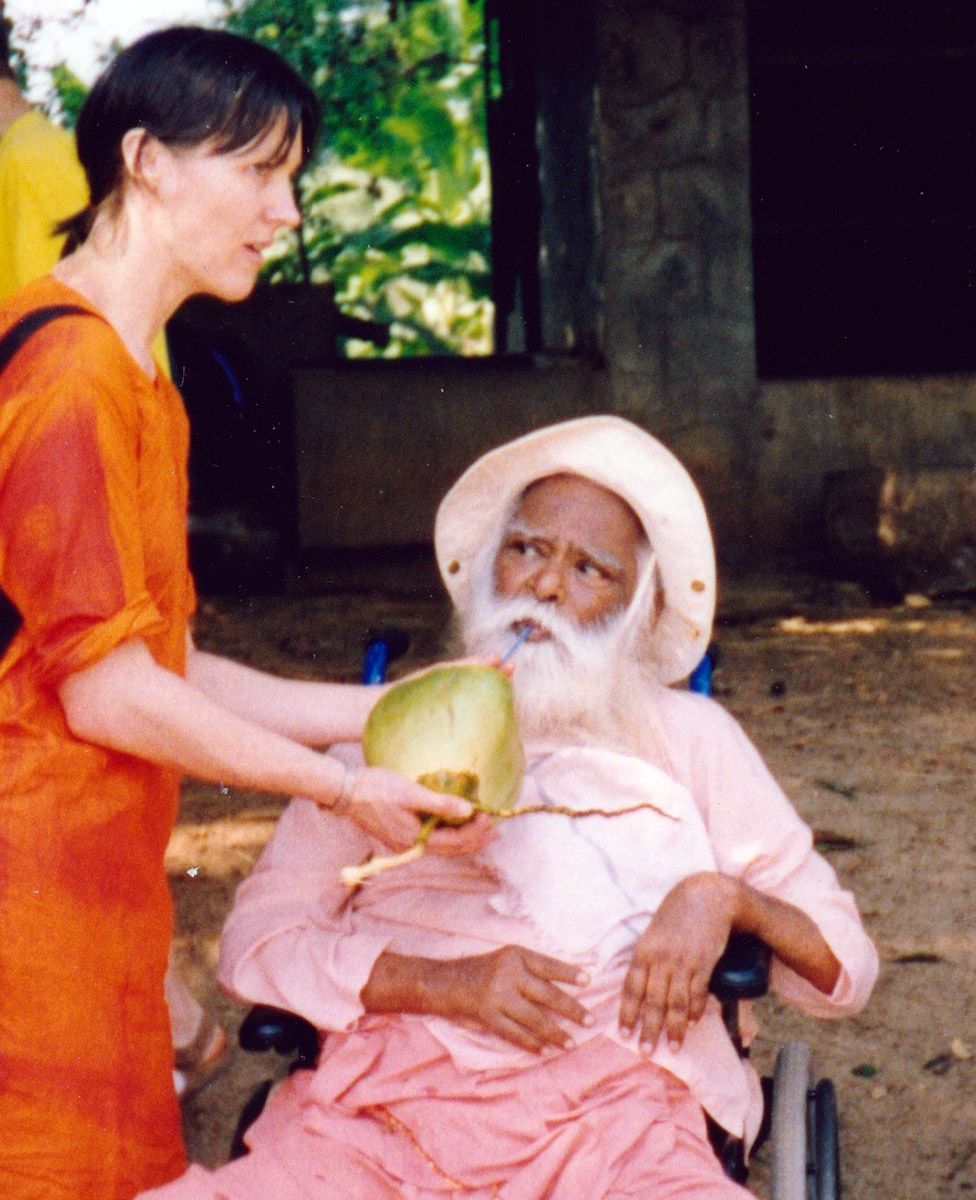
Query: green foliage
column 397, row 200
column 70, row 93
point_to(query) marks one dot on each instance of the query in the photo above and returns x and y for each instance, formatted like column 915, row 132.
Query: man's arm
column 297, row 938
column 666, row 987
column 760, row 840
column 510, row 992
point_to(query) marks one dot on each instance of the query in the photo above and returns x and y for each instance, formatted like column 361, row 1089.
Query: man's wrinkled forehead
column 518, row 519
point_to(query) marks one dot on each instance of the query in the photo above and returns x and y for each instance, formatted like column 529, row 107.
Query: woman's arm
column 127, row 702
column 315, row 714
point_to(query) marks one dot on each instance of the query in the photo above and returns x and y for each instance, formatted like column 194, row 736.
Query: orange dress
column 93, row 498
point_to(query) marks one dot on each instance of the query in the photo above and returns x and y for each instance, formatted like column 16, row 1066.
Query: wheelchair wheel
column 791, row 1083
column 804, row 1133
column 826, row 1147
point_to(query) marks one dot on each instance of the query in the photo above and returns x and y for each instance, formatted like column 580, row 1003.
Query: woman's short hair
column 187, row 85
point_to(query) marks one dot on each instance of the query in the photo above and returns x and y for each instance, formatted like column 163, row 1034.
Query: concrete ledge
column 378, row 445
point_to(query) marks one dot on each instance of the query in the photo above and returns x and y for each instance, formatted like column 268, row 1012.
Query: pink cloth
column 483, row 1112
column 597, row 1122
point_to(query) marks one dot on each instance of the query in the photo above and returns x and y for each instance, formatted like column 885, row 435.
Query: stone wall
column 664, row 336
column 808, row 429
column 378, row 444
column 677, row 274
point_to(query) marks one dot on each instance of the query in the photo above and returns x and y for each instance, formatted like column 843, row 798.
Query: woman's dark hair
column 185, row 86
column 6, row 66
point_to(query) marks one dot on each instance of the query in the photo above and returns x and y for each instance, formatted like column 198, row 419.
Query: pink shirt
column 580, row 889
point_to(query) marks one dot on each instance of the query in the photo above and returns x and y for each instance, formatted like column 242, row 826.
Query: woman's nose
column 284, row 208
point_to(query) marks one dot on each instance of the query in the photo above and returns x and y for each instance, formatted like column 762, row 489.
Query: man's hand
column 666, row 987
column 510, row 992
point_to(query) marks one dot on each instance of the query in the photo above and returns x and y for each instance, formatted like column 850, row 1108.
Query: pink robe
column 418, row 1106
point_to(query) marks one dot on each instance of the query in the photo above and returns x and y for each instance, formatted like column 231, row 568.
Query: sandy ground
column 866, row 715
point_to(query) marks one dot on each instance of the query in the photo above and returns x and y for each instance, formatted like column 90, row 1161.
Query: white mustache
column 497, row 625
column 493, row 623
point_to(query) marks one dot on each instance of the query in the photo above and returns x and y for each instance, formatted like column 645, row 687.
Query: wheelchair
column 800, row 1112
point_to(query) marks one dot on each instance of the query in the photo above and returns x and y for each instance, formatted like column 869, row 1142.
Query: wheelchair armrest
column 742, row 973
column 267, row 1028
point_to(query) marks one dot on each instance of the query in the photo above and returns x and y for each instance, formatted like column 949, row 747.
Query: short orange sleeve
column 71, row 556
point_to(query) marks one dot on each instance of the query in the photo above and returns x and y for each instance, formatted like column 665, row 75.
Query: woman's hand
column 452, row 841
column 666, row 987
column 510, row 992
column 392, row 809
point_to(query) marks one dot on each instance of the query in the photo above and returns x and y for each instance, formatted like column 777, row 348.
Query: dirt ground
column 866, row 715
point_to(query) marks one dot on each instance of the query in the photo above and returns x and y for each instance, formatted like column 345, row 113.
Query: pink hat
column 626, row 460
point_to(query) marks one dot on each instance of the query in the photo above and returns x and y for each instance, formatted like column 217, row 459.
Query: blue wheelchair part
column 701, row 678
column 381, row 649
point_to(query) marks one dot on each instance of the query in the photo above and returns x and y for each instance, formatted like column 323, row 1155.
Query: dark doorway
column 864, row 186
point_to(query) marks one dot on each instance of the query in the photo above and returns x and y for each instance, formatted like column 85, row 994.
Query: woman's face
column 222, row 211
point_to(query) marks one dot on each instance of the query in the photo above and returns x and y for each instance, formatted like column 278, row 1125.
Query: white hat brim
column 626, row 460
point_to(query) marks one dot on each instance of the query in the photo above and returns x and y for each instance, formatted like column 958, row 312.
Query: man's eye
column 590, row 570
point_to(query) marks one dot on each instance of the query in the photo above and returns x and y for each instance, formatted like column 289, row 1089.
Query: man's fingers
column 698, row 998
column 654, row 1009
column 516, row 1033
column 538, row 1024
column 635, row 985
column 675, row 1023
column 548, row 996
column 687, row 997
column 544, row 967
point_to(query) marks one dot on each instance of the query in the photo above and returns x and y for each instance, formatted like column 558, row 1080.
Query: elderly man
column 533, row 1020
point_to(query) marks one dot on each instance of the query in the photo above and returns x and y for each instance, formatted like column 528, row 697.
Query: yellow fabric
column 93, row 496
column 41, row 184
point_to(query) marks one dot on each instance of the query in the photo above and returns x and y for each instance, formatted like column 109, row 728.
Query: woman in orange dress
column 190, row 142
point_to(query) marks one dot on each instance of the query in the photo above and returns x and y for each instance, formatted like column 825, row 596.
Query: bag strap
column 12, row 341
column 30, row 323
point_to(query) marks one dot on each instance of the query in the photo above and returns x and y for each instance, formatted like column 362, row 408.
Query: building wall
column 679, row 322
column 666, row 336
column 677, row 275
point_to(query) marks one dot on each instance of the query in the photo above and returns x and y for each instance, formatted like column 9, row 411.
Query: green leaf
column 402, row 93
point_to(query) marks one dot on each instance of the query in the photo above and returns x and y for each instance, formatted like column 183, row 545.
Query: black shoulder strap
column 30, row 323
column 10, row 343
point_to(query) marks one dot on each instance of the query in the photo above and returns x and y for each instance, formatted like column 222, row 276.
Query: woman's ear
column 142, row 157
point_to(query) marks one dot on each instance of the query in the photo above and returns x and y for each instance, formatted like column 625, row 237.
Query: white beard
column 580, row 685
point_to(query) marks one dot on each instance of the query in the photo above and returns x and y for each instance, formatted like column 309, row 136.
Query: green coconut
column 453, row 729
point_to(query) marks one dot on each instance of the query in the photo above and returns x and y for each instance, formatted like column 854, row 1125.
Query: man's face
column 572, row 545
column 566, row 570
